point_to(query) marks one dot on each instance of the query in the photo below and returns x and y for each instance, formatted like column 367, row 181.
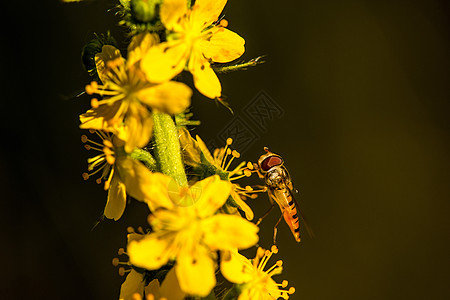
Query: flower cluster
column 138, row 128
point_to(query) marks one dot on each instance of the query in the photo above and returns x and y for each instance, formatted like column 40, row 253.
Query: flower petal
column 97, row 118
column 205, row 12
column 242, row 205
column 144, row 185
column 153, row 288
column 138, row 127
column 205, row 150
column 205, row 80
column 235, row 267
column 191, row 151
column 196, row 275
column 139, row 46
column 170, row 288
column 211, row 194
column 149, row 253
column 172, row 11
column 226, row 232
column 134, row 283
column 223, row 46
column 164, row 61
column 117, row 197
column 168, row 97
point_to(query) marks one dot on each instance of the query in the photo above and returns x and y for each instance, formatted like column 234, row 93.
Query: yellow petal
column 205, row 12
column 196, row 275
column 168, row 97
column 227, row 232
column 117, row 197
column 205, row 150
column 144, row 185
column 109, row 53
column 242, row 205
column 138, row 127
column 139, row 46
column 97, row 118
column 149, row 253
column 223, row 46
column 205, row 80
column 153, row 288
column 190, row 149
column 164, row 61
column 170, row 287
column 134, row 283
column 212, row 195
column 172, row 11
column 235, row 267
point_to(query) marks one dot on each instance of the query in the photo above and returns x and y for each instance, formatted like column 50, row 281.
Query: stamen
column 91, row 88
column 225, row 154
column 94, row 103
column 84, row 138
column 229, row 141
column 223, row 23
column 274, row 249
column 115, row 261
column 85, row 176
column 108, row 181
column 259, row 254
column 122, row 271
column 107, row 143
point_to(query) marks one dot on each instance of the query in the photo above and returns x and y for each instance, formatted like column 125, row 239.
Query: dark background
column 365, row 136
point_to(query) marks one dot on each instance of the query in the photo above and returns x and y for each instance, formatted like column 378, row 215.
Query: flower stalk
column 167, row 148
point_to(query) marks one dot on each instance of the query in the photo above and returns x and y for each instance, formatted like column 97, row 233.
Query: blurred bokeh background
column 364, row 90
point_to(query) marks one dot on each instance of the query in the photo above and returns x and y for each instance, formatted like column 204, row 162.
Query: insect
column 271, row 167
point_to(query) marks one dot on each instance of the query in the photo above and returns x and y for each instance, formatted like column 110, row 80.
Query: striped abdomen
column 288, row 207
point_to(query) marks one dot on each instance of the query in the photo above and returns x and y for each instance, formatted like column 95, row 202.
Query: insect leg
column 275, row 229
column 266, row 213
column 272, row 202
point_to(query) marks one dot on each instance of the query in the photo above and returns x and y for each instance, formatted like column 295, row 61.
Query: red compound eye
column 270, row 162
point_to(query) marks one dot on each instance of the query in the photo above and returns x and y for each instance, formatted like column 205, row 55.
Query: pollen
column 229, row 141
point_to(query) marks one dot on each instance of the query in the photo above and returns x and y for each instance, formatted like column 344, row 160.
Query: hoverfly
column 271, row 167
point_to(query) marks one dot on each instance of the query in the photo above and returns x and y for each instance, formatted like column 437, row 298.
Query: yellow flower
column 254, row 282
column 195, row 40
column 137, row 287
column 192, row 234
column 196, row 153
column 128, row 96
column 122, row 174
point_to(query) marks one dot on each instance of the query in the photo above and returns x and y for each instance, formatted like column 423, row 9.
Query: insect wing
column 301, row 214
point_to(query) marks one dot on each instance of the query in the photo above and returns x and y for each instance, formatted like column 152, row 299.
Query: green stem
column 146, row 158
column 167, row 148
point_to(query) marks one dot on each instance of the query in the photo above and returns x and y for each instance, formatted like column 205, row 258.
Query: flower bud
column 144, row 10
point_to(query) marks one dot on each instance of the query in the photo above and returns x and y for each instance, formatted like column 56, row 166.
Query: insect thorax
column 276, row 177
